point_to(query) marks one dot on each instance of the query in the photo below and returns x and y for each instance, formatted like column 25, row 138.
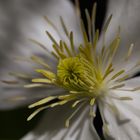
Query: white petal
column 34, row 26
column 123, row 123
column 133, row 82
column 126, row 15
column 14, row 96
column 21, row 20
column 52, row 126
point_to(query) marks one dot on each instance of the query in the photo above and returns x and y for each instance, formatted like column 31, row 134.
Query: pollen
column 70, row 70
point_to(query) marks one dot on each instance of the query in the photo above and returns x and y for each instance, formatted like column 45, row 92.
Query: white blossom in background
column 74, row 75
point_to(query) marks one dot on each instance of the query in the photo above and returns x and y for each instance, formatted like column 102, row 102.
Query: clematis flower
column 86, row 73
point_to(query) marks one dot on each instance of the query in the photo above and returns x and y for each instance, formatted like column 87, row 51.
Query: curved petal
column 14, row 78
column 122, row 117
column 37, row 26
column 52, row 126
column 133, row 82
column 126, row 15
column 23, row 20
column 17, row 96
column 20, row 21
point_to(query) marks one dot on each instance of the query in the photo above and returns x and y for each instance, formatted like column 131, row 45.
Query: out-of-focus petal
column 23, row 19
column 122, row 116
column 17, row 96
column 34, row 25
column 52, row 126
column 20, row 21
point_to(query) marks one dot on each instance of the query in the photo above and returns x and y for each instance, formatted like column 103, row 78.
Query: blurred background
column 13, row 124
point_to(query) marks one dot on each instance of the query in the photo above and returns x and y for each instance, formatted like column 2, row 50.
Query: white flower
column 97, row 74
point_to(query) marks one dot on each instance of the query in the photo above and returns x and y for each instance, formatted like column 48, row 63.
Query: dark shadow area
column 98, row 123
column 100, row 13
column 136, row 75
column 13, row 123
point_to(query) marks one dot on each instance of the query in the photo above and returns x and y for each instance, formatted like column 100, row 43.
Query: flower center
column 76, row 74
column 70, row 70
